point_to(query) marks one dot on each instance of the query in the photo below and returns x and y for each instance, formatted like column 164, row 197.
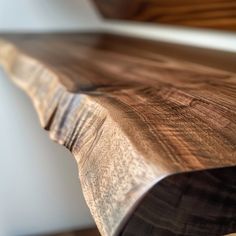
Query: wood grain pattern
column 191, row 204
column 83, row 232
column 132, row 117
column 216, row 14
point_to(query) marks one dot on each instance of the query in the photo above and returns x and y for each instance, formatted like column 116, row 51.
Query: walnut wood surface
column 83, row 232
column 196, row 203
column 132, row 117
column 216, row 14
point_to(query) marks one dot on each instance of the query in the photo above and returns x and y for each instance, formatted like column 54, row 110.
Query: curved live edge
column 135, row 121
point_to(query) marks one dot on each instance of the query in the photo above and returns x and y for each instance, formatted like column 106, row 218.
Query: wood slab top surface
column 132, row 116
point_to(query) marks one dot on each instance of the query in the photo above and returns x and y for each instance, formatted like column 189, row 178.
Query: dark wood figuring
column 215, row 14
column 132, row 117
column 83, row 232
column 196, row 203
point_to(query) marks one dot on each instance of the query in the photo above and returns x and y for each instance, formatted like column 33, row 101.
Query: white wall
column 204, row 38
column 46, row 15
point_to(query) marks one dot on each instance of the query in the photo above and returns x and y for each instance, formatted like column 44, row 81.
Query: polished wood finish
column 137, row 122
column 215, row 14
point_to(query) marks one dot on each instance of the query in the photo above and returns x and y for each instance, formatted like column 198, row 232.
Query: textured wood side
column 188, row 204
column 216, row 14
column 129, row 115
column 83, row 232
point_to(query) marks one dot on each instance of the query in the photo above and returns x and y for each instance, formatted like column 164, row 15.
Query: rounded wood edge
column 54, row 105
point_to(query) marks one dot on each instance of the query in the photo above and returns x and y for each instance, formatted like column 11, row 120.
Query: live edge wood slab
column 154, row 137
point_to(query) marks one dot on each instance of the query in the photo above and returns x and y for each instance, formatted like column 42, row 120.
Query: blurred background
column 39, row 191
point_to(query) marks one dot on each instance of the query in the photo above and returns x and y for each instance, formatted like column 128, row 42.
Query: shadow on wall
column 48, row 15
